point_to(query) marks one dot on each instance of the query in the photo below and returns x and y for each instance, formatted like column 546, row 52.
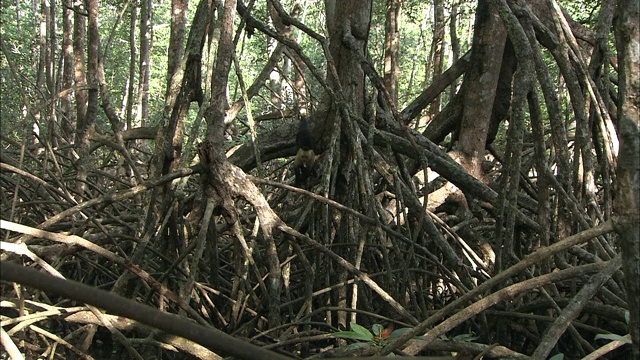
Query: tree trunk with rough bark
column 627, row 204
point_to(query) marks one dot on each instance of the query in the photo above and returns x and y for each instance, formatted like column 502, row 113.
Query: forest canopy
column 295, row 179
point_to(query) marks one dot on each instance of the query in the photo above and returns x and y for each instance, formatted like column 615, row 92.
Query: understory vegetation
column 471, row 191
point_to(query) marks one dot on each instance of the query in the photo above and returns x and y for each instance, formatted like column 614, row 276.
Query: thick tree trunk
column 68, row 122
column 86, row 125
column 627, row 204
column 455, row 43
column 479, row 85
column 348, row 18
column 144, row 65
column 391, row 47
column 80, row 76
column 176, row 38
column 437, row 48
column 133, row 56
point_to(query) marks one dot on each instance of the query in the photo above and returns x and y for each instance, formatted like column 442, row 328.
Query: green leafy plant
column 559, row 356
column 378, row 336
column 616, row 337
column 465, row 337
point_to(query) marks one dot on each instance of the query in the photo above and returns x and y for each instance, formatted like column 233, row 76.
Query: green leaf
column 627, row 316
column 559, row 356
column 377, row 329
column 353, row 335
column 465, row 337
column 613, row 337
column 398, row 332
column 361, row 330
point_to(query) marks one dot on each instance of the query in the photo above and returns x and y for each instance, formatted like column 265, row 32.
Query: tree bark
column 455, row 42
column 144, row 65
column 133, row 51
column 80, row 76
column 88, row 122
column 347, row 18
column 68, row 122
column 437, row 48
column 176, row 38
column 479, row 85
column 391, row 47
column 627, row 205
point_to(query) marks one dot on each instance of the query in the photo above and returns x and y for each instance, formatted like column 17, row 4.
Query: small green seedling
column 378, row 336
